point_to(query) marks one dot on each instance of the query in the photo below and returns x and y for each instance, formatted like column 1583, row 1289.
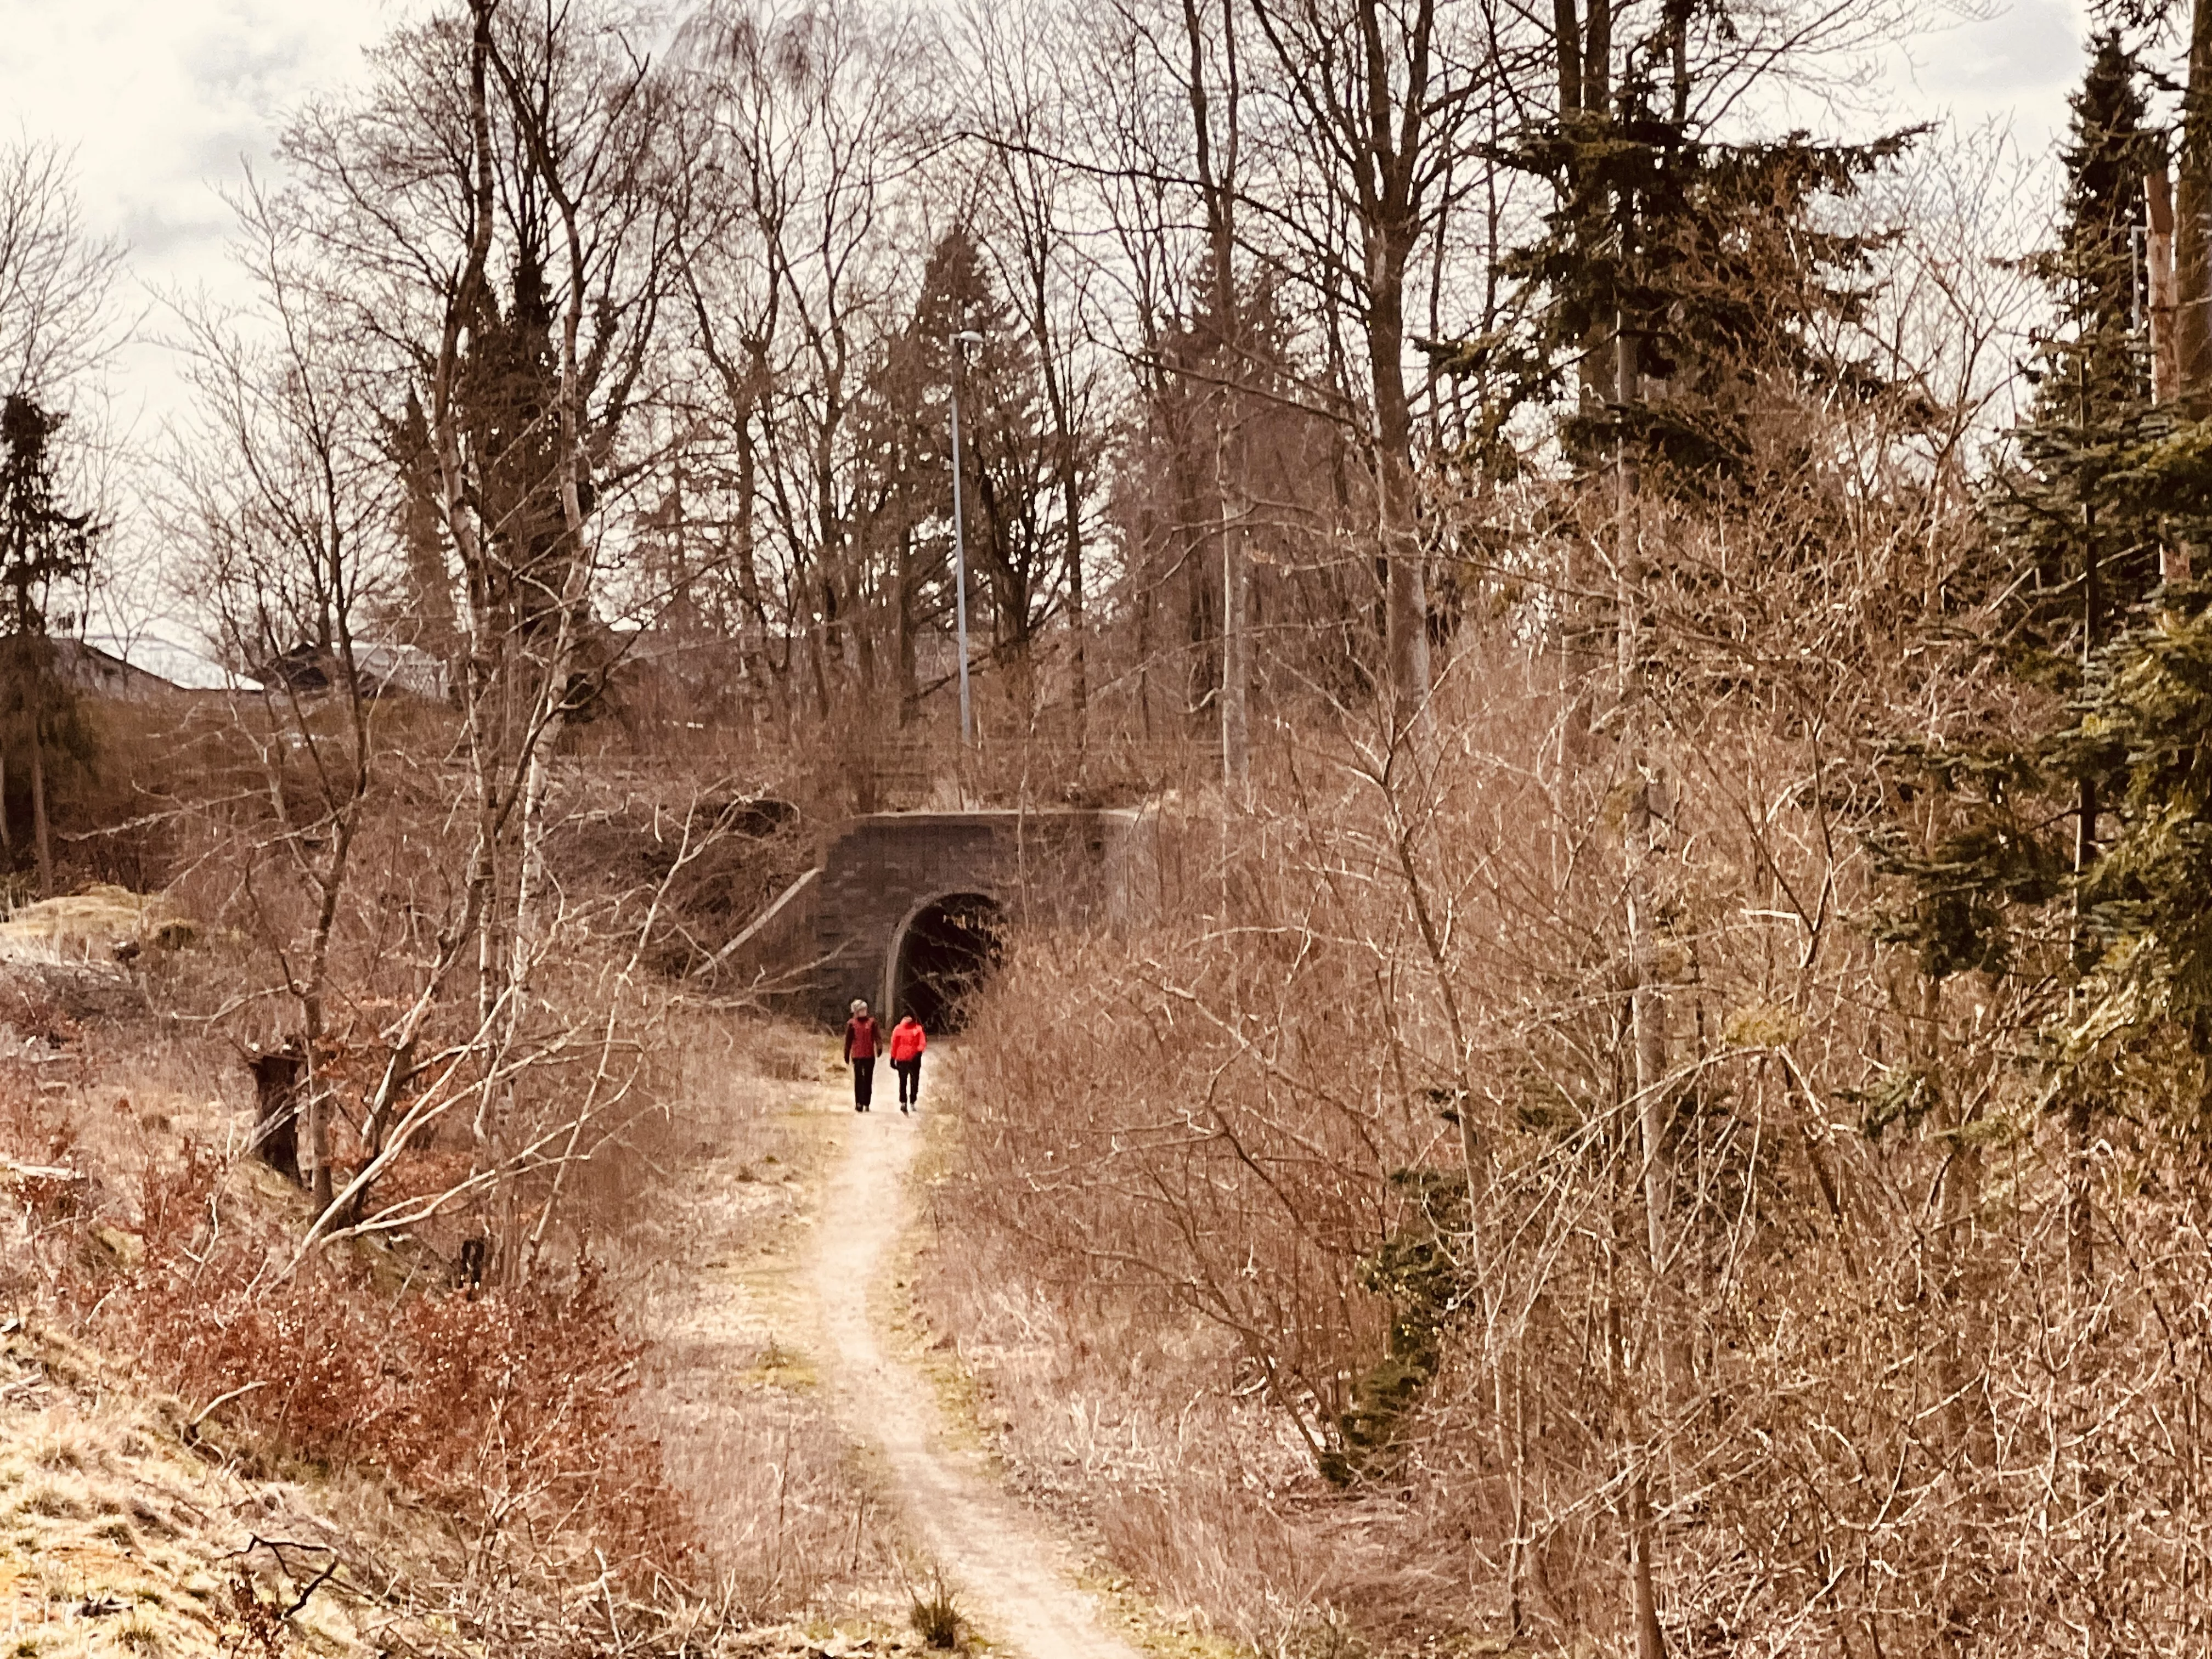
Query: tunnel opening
column 943, row 954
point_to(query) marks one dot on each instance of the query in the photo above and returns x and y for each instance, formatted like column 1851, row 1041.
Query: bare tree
column 283, row 492
column 56, row 276
column 1027, row 117
column 799, row 260
column 1377, row 98
column 489, row 214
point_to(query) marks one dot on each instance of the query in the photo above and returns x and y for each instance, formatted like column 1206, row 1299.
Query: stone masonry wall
column 1059, row 866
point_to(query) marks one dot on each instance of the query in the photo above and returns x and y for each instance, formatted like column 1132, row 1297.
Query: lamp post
column 961, row 342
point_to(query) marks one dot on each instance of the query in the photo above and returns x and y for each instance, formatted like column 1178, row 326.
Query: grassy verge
column 972, row 1419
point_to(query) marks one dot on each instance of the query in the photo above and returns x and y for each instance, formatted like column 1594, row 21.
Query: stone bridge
column 909, row 910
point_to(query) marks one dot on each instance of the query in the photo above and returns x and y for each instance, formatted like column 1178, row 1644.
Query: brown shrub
column 506, row 1407
column 1298, row 1348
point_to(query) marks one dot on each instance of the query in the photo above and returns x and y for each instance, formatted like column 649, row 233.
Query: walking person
column 861, row 1037
column 907, row 1045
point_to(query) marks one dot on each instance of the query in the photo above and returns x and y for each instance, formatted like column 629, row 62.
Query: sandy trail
column 1012, row 1575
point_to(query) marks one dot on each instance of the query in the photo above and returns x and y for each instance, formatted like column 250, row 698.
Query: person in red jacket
column 907, row 1045
column 861, row 1037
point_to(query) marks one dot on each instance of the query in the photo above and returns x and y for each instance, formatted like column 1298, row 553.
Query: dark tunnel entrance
column 942, row 955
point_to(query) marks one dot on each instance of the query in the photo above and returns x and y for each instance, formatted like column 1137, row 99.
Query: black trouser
column 910, row 1072
column 864, row 1082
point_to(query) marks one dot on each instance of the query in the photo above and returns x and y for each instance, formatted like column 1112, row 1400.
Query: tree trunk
column 1060, row 396
column 1217, row 184
column 39, row 827
column 1631, row 1416
column 2158, row 261
column 1405, row 604
column 319, row 1142
column 1079, row 688
column 909, row 676
column 1643, row 829
column 1235, row 730
column 2164, row 320
column 276, row 1108
column 758, row 665
column 2081, row 1256
column 2192, row 227
column 1583, row 623
column 1644, row 1592
column 1145, row 662
column 1643, row 834
column 2081, row 1208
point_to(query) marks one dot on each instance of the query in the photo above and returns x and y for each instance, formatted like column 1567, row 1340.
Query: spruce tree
column 2081, row 549
column 2074, row 524
column 1690, row 307
column 1009, row 458
column 1677, row 263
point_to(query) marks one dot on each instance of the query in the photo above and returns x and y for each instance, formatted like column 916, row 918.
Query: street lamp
column 961, row 342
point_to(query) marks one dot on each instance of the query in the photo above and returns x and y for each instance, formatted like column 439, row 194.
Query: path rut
column 1013, row 1576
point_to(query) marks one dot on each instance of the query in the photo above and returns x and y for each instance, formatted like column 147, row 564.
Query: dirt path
column 1012, row 1576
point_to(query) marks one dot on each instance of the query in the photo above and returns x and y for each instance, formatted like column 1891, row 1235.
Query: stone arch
column 939, row 953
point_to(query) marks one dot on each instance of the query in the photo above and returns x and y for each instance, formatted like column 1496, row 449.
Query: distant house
column 392, row 666
column 140, row 667
column 673, row 675
column 387, row 668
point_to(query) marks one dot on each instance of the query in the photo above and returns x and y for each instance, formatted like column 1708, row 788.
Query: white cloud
column 2013, row 63
column 160, row 101
column 2023, row 52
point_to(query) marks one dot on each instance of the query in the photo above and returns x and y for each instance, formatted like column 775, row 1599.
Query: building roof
column 174, row 665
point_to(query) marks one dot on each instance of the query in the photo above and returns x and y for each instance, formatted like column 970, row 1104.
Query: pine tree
column 44, row 547
column 426, row 616
column 1010, row 461
column 509, row 390
column 508, row 385
column 2071, row 857
column 2081, row 549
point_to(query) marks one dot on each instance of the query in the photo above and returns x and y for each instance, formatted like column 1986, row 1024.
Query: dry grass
column 706, row 1263
column 1121, row 1426
column 90, row 925
column 116, row 1529
column 504, row 1414
column 1169, row 1249
column 127, row 1519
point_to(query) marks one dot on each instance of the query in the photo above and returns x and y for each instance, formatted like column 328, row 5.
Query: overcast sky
column 162, row 100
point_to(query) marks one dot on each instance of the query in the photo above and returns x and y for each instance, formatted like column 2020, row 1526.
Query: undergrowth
column 506, row 1411
column 935, row 1614
column 503, row 1406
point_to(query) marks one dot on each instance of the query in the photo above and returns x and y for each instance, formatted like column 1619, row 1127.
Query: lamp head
column 968, row 337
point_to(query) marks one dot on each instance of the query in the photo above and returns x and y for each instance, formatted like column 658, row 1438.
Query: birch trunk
column 2157, row 260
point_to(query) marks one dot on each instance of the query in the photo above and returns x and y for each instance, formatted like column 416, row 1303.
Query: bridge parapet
column 1073, row 866
column 897, row 893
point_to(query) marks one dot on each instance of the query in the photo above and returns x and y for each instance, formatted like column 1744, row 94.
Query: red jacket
column 906, row 1041
column 861, row 1033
